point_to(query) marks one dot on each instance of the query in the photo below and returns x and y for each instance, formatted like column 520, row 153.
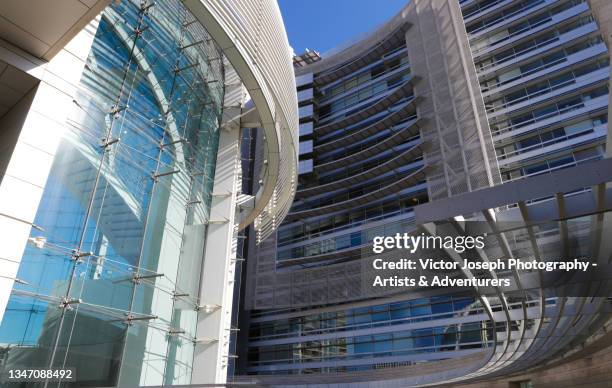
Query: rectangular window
column 303, row 79
column 306, row 111
column 305, row 95
column 305, row 166
column 306, row 129
column 305, row 147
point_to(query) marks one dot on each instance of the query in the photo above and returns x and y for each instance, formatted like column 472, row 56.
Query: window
column 305, row 147
column 305, row 111
column 305, row 94
column 303, row 79
column 305, row 166
column 306, row 129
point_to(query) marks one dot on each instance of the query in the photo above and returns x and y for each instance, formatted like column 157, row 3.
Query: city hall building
column 180, row 204
column 451, row 114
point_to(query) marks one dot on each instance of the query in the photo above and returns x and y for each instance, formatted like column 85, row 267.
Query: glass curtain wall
column 113, row 272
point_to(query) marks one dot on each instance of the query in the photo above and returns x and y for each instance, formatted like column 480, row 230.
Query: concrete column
column 216, row 289
column 456, row 124
column 37, row 124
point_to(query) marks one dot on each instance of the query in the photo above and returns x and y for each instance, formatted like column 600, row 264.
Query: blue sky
column 324, row 24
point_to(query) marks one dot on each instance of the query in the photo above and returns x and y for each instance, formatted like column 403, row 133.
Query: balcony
column 554, row 118
column 554, row 21
column 486, row 10
column 407, row 110
column 589, row 135
column 355, row 225
column 393, row 39
column 380, row 77
column 394, row 96
column 546, row 69
column 550, row 93
column 487, row 70
column 411, row 129
column 374, row 195
column 383, row 168
column 507, row 19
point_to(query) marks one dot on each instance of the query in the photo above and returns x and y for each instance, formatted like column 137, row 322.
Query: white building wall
column 43, row 125
column 216, row 295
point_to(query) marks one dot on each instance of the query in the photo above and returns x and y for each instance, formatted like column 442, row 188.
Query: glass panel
column 128, row 195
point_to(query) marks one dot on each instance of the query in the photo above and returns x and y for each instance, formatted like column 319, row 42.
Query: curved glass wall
column 113, row 273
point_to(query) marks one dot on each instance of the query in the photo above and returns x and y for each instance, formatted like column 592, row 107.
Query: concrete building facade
column 491, row 111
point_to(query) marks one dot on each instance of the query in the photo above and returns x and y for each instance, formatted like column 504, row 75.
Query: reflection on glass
column 112, row 290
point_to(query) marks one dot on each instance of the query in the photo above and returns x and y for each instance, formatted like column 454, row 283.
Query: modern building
column 491, row 111
column 121, row 201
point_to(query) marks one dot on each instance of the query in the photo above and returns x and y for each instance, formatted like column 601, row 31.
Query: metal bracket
column 204, row 340
column 130, row 318
column 115, row 110
column 109, row 142
column 67, row 303
column 208, row 308
column 181, row 140
column 223, row 221
column 157, row 176
column 176, row 295
column 137, row 277
column 191, row 44
column 77, row 255
column 173, row 332
column 179, row 69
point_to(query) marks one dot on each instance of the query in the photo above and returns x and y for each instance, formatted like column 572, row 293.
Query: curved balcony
column 397, row 94
column 397, row 138
column 341, row 253
column 384, row 191
column 382, row 46
column 373, row 172
column 591, row 53
column 335, row 257
column 405, row 111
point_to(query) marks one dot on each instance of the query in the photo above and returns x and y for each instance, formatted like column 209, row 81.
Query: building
column 120, row 181
column 491, row 111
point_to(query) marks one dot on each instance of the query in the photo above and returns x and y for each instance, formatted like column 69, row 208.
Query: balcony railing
column 576, row 57
column 546, row 143
column 581, row 81
column 507, row 17
column 533, row 50
column 556, row 112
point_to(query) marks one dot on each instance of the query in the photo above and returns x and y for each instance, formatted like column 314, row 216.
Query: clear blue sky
column 324, row 24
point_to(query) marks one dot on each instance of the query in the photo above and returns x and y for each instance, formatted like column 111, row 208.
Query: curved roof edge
column 252, row 36
column 386, row 31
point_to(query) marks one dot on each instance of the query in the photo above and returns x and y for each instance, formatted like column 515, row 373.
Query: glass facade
column 113, row 272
